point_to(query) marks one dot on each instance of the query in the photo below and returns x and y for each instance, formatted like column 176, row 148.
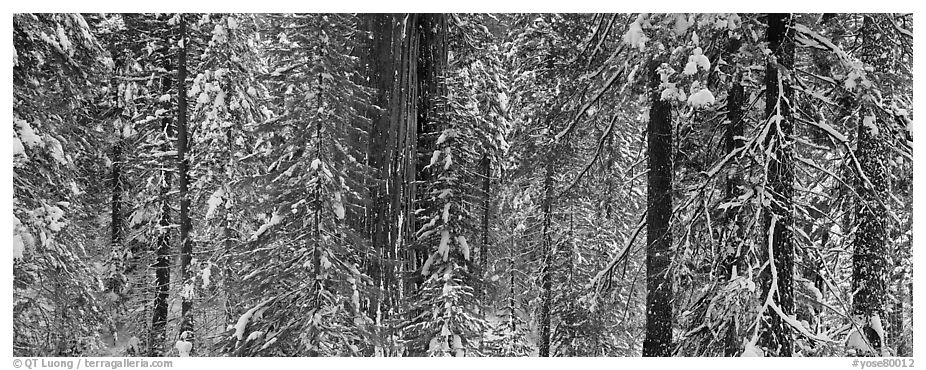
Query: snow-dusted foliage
column 57, row 145
column 304, row 267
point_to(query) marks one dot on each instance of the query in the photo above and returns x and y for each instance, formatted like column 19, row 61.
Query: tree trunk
column 162, row 264
column 777, row 279
column 658, row 340
column 486, row 166
column 431, row 64
column 732, row 235
column 186, row 242
column 546, row 274
column 869, row 260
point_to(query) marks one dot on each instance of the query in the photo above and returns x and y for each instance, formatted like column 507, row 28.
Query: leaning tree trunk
column 186, row 243
column 869, row 259
column 776, row 279
column 658, row 340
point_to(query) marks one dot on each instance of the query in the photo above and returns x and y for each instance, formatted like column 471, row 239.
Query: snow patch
column 275, row 219
column 183, row 348
column 214, row 201
column 695, row 61
column 26, row 134
column 700, row 99
column 242, row 323
column 869, row 123
column 635, row 36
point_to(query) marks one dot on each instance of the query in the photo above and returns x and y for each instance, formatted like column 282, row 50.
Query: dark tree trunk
column 381, row 69
column 658, row 340
column 186, row 243
column 486, row 166
column 546, row 274
column 732, row 235
column 158, row 333
column 116, row 221
column 869, row 260
column 776, row 279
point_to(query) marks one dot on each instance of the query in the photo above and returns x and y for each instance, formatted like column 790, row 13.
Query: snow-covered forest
column 462, row 184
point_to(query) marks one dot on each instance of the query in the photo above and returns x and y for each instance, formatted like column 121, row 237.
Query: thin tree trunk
column 186, row 243
column 776, row 279
column 158, row 332
column 546, row 274
column 658, row 340
column 486, row 167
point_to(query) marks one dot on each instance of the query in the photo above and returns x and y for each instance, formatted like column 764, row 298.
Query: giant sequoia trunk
column 408, row 55
column 776, row 279
column 658, row 340
column 381, row 77
column 186, row 243
column 430, row 66
column 869, row 262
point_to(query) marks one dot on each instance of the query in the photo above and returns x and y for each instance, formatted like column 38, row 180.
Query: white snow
column 444, row 247
column 434, row 157
column 464, row 246
column 338, row 208
column 635, row 36
column 64, row 41
column 54, row 146
column 207, row 275
column 214, row 201
column 19, row 245
column 184, row 348
column 254, row 335
column 750, row 350
column 274, row 220
column 242, row 323
column 695, row 61
column 832, row 131
column 875, row 323
column 26, row 134
column 869, row 123
column 681, row 25
column 857, row 342
column 700, row 99
column 54, row 216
